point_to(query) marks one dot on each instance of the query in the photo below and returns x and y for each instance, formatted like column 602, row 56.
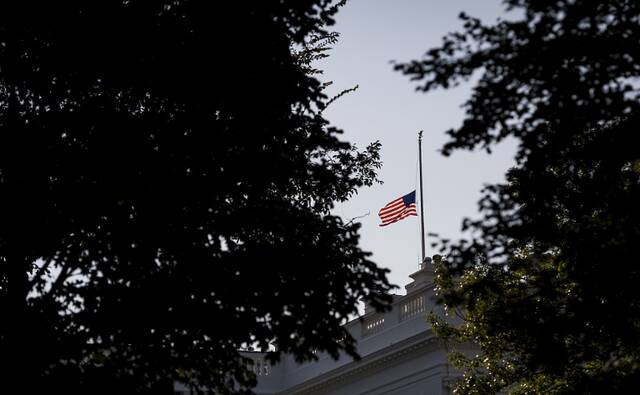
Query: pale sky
column 386, row 108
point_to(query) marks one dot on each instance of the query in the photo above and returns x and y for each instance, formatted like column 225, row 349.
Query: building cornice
column 395, row 353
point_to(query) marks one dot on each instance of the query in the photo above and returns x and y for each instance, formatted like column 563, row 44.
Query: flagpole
column 421, row 199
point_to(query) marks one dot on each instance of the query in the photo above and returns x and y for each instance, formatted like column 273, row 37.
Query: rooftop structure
column 399, row 354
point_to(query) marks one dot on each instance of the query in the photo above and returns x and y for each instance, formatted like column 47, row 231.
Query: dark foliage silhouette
column 166, row 178
column 548, row 283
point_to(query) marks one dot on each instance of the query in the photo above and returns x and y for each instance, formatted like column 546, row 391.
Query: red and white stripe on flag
column 398, row 209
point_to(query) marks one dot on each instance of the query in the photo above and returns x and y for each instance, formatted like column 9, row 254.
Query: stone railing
column 258, row 364
column 412, row 307
column 372, row 325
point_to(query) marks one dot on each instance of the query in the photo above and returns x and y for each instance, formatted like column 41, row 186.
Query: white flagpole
column 421, row 199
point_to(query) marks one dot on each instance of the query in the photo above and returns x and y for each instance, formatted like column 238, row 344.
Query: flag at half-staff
column 398, row 209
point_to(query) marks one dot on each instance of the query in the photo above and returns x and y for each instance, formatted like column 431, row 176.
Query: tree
column 547, row 283
column 166, row 178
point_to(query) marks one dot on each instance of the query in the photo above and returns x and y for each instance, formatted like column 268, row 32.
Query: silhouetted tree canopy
column 166, row 178
column 548, row 283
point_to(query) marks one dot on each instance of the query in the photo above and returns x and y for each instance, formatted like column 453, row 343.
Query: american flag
column 398, row 209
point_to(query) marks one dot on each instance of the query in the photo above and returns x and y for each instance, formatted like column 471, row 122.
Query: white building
column 400, row 355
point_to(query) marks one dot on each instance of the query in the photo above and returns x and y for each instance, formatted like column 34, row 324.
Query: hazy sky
column 386, row 108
